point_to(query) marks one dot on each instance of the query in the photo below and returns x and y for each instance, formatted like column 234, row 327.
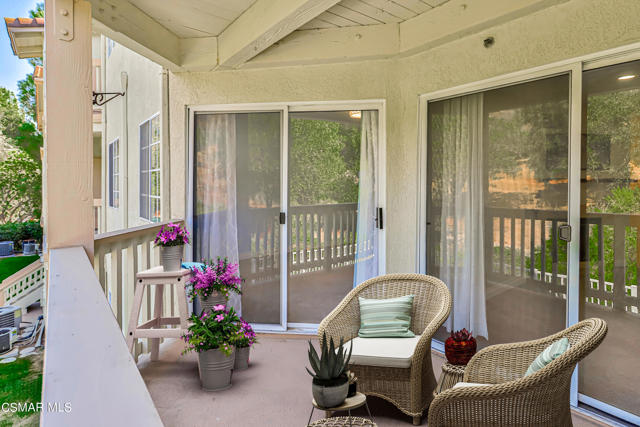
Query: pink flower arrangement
column 246, row 337
column 221, row 276
column 217, row 330
column 172, row 235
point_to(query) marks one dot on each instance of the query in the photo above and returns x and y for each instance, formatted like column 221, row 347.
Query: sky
column 12, row 68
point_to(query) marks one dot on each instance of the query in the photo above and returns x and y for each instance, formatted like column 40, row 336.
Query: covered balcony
column 314, row 138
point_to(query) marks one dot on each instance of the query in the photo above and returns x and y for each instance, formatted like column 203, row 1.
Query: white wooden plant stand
column 154, row 328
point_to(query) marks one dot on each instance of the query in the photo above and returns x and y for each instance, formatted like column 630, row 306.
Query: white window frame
column 574, row 67
column 284, row 108
column 150, row 143
column 113, row 166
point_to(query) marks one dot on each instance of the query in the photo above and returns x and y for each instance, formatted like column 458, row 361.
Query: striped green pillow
column 386, row 318
column 548, row 355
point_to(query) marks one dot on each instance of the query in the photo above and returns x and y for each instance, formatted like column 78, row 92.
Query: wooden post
column 68, row 159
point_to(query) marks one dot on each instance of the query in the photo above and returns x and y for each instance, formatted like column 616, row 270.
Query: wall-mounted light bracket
column 101, row 98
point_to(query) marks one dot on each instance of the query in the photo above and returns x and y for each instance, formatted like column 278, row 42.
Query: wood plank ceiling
column 204, row 18
column 349, row 13
column 188, row 18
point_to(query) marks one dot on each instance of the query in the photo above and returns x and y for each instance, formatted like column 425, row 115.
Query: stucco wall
column 565, row 31
column 143, row 100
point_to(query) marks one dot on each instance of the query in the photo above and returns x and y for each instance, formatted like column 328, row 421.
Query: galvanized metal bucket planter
column 215, row 369
column 171, row 257
column 242, row 358
column 216, row 298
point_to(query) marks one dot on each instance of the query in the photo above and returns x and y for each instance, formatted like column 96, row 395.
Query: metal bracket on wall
column 63, row 21
column 101, row 98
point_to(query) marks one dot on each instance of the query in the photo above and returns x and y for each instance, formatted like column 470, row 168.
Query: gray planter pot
column 215, row 298
column 329, row 397
column 215, row 369
column 242, row 358
column 28, row 248
column 171, row 257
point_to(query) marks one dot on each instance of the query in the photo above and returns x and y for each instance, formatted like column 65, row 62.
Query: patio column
column 68, row 148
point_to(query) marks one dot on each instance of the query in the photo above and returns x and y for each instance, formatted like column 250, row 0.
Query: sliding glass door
column 610, row 231
column 533, row 216
column 498, row 196
column 236, row 194
column 332, row 209
column 297, row 178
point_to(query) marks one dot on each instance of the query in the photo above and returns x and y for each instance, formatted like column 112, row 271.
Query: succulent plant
column 330, row 367
column 462, row 335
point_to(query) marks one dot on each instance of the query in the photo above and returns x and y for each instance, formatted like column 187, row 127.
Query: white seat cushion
column 384, row 352
column 462, row 385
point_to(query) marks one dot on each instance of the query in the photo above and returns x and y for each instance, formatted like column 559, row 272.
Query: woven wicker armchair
column 409, row 389
column 539, row 399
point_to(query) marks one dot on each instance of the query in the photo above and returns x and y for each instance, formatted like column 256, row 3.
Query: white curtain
column 462, row 218
column 216, row 221
column 366, row 258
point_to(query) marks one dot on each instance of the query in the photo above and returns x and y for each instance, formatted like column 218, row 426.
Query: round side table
column 451, row 374
column 349, row 403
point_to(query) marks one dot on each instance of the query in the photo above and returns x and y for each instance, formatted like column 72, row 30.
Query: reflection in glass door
column 332, row 209
column 497, row 184
column 237, row 203
column 610, row 233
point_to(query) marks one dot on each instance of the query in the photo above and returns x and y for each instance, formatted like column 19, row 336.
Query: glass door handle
column 564, row 232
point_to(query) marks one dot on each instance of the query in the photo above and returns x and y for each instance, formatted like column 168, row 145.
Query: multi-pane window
column 150, row 169
column 114, row 173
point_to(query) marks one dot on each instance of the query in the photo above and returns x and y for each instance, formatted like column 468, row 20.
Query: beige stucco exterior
column 143, row 100
column 565, row 31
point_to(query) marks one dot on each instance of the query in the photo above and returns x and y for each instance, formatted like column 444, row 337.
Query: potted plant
column 171, row 239
column 330, row 381
column 213, row 282
column 460, row 347
column 244, row 340
column 212, row 336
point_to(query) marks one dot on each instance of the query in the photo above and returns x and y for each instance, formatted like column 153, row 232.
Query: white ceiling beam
column 459, row 18
column 452, row 20
column 263, row 24
column 322, row 46
column 126, row 24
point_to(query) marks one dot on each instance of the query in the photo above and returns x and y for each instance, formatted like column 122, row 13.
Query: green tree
column 27, row 96
column 21, row 188
column 10, row 114
column 323, row 162
column 29, row 139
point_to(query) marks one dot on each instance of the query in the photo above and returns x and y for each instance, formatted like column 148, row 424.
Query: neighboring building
column 133, row 135
column 132, row 140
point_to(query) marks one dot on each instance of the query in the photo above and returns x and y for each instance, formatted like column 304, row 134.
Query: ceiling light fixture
column 355, row 114
column 627, row 77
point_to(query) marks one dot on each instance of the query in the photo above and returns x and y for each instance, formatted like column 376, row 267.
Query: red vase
column 459, row 352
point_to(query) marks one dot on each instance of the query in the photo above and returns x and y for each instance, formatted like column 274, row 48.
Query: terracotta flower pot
column 216, row 298
column 215, row 369
column 459, row 352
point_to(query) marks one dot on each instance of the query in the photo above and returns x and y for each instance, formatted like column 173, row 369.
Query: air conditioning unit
column 10, row 316
column 5, row 340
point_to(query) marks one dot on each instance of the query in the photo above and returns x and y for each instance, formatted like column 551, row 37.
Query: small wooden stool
column 158, row 277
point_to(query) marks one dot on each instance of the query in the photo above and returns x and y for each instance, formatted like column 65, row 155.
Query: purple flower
column 219, row 318
column 219, row 307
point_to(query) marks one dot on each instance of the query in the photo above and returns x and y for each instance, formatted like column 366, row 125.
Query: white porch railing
column 89, row 376
column 119, row 255
column 24, row 287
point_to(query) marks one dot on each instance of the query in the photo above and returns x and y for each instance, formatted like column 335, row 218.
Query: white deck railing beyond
column 90, row 379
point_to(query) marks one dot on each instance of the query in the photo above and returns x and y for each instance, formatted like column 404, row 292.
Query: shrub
column 19, row 231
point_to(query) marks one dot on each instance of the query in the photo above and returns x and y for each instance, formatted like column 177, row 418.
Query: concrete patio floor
column 274, row 391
